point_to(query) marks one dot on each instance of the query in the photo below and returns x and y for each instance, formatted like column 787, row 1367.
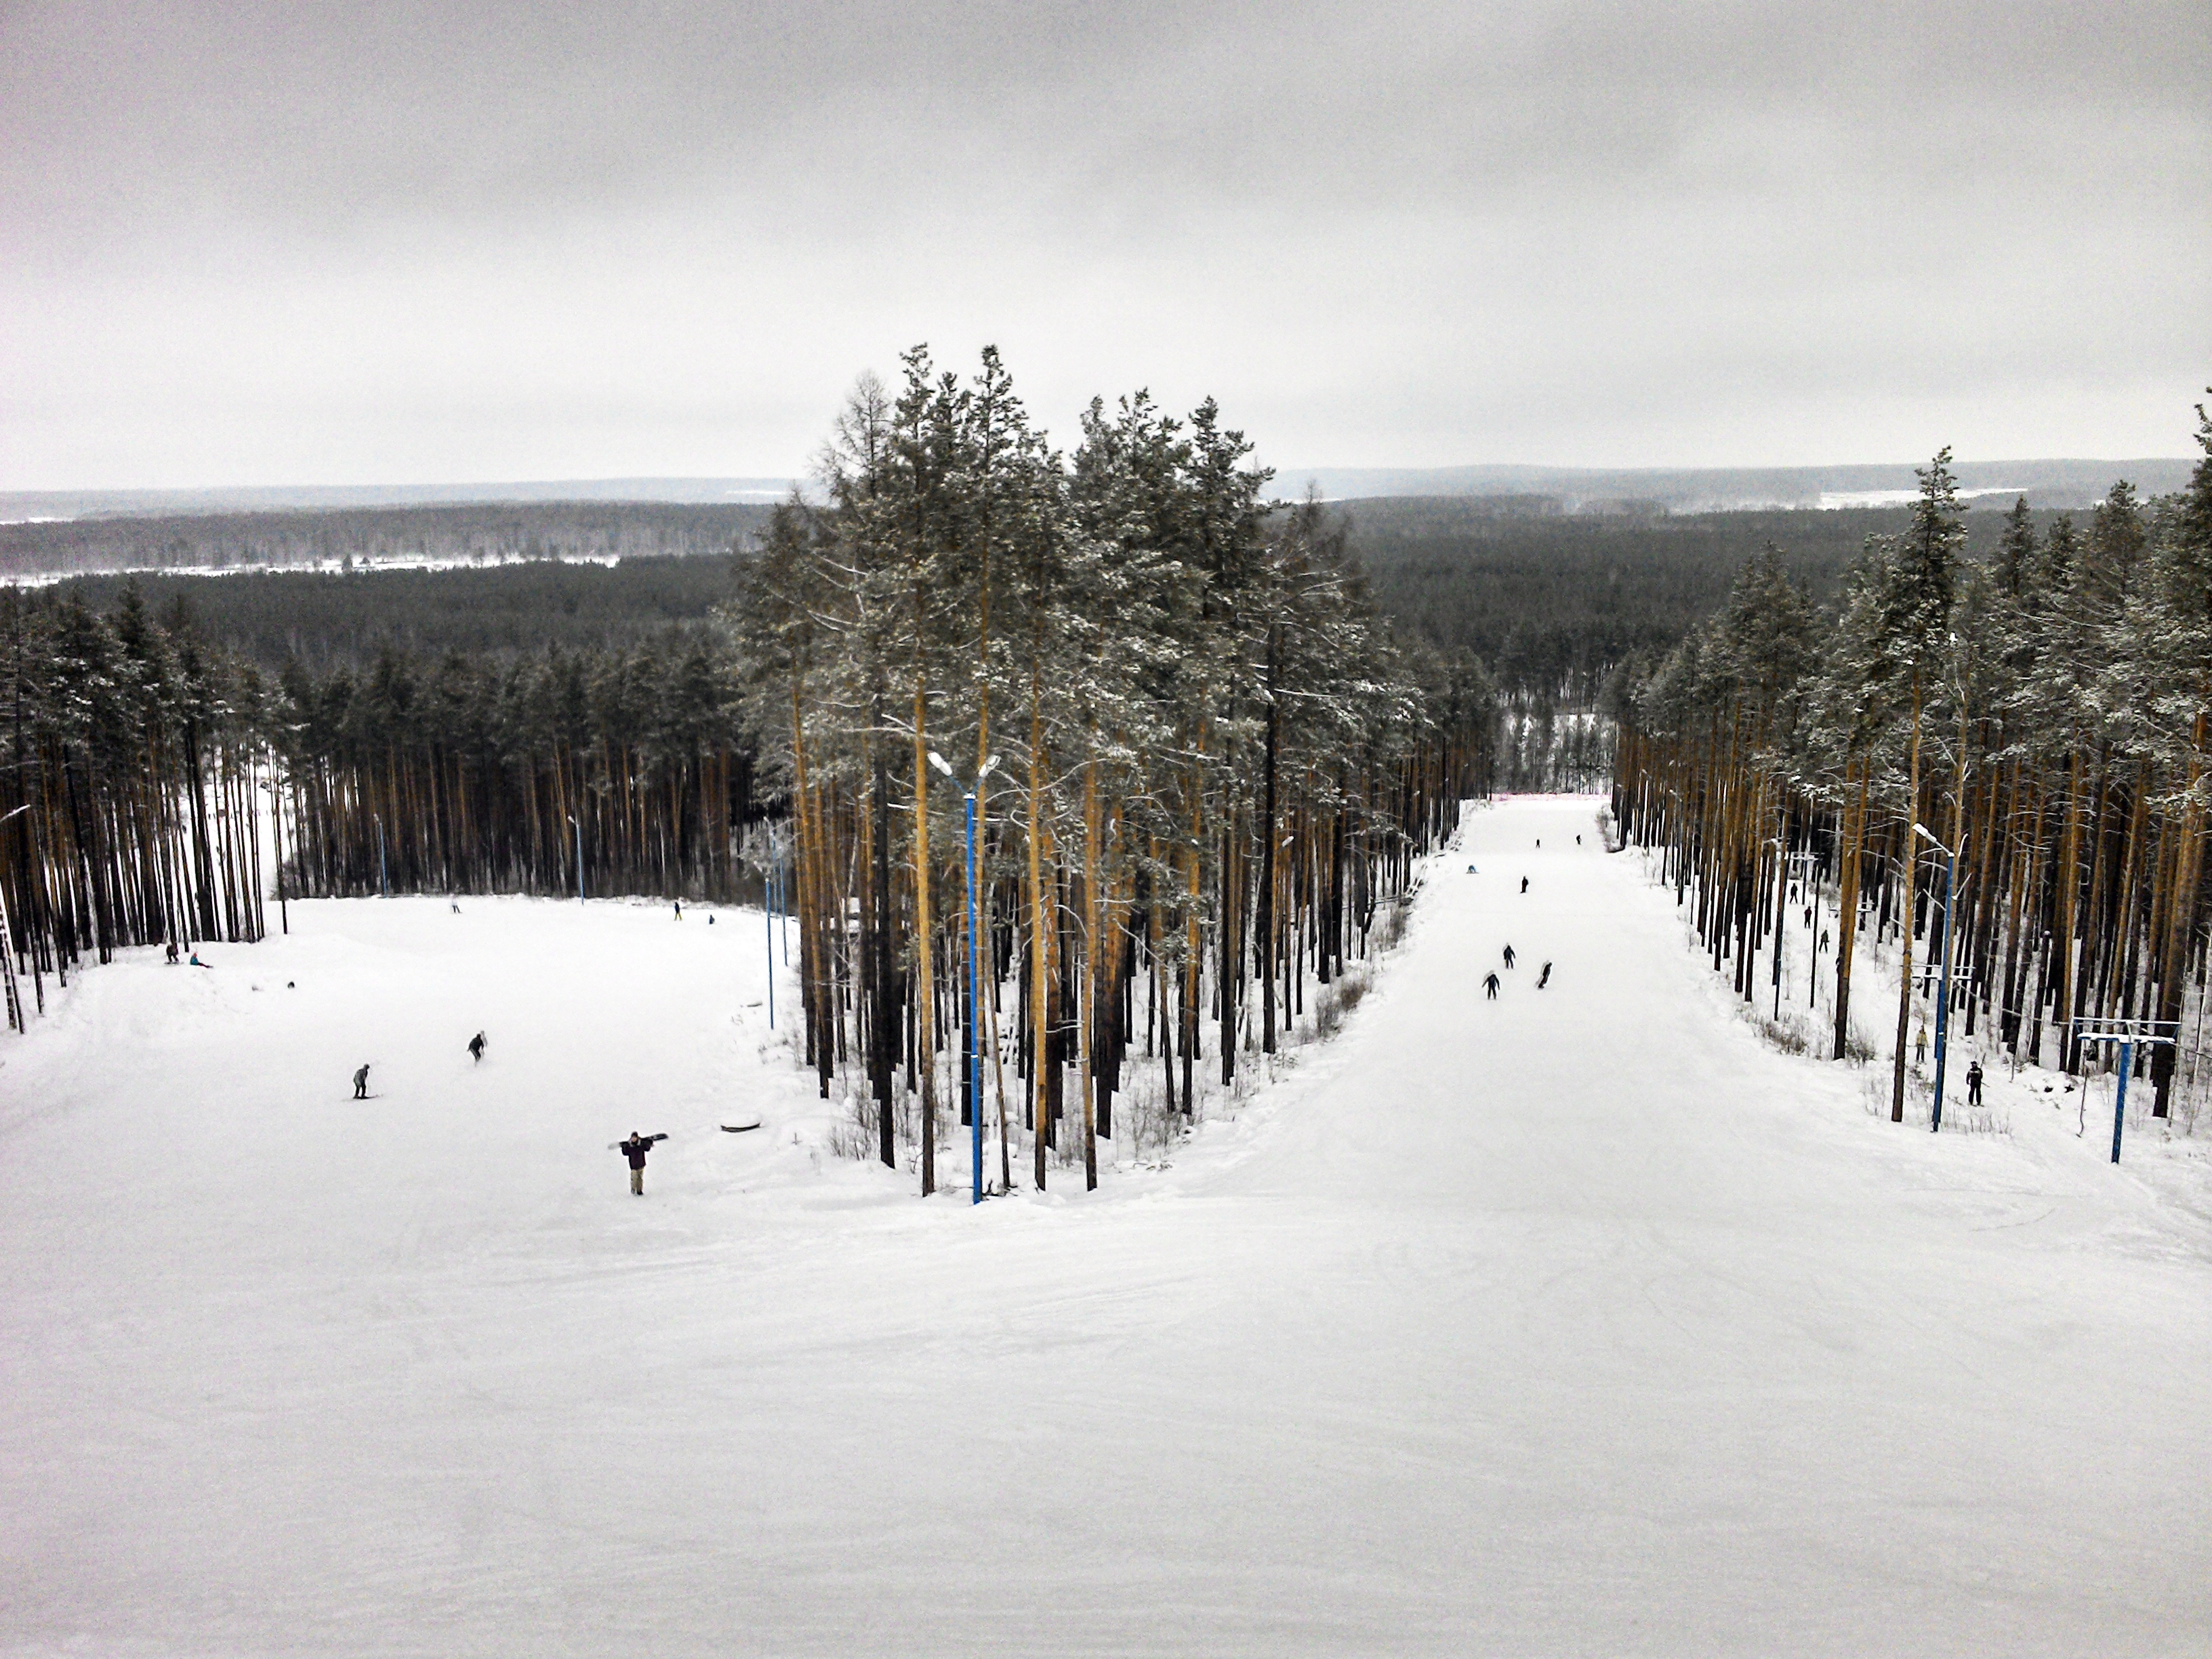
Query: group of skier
column 633, row 1149
column 1491, row 981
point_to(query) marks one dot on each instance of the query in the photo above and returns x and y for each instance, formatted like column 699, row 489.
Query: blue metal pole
column 2120, row 1096
column 1943, row 991
column 974, row 1013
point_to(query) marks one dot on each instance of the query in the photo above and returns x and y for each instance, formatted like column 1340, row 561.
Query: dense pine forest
column 1200, row 766
column 2045, row 715
column 1204, row 764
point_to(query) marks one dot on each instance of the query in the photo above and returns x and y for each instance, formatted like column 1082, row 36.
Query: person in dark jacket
column 1508, row 956
column 477, row 1048
column 1490, row 985
column 361, row 1084
column 634, row 1150
column 1524, row 883
column 1974, row 1083
column 1544, row 978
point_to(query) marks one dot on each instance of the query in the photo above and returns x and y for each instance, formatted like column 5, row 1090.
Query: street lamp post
column 1943, row 984
column 277, row 827
column 770, row 899
column 975, row 1059
column 16, row 1017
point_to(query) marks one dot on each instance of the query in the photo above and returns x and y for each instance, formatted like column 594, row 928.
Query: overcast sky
column 293, row 243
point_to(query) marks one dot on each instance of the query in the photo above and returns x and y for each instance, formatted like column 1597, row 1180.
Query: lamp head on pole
column 940, row 762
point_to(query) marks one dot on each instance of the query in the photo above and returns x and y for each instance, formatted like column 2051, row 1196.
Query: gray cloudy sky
column 293, row 242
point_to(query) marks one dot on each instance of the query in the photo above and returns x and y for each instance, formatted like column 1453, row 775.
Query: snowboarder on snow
column 1489, row 985
column 1524, row 883
column 1508, row 956
column 1544, row 978
column 634, row 1150
column 679, row 909
column 197, row 962
column 477, row 1048
column 1974, row 1083
column 361, row 1084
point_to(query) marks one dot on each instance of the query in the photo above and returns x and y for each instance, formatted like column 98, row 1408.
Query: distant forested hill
column 1548, row 601
column 478, row 532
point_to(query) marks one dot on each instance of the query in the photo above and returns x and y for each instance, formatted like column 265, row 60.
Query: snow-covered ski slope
column 1574, row 1323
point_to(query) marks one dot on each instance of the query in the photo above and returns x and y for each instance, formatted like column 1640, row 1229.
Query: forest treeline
column 478, row 532
column 137, row 764
column 324, row 620
column 2045, row 714
column 1216, row 763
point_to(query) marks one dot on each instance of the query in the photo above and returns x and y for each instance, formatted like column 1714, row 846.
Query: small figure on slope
column 197, row 962
column 361, row 1084
column 1489, row 985
column 1524, row 883
column 477, row 1048
column 1974, row 1083
column 1509, row 956
column 679, row 909
column 1544, row 978
column 634, row 1150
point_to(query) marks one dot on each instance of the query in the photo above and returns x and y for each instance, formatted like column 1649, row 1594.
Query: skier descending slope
column 635, row 1149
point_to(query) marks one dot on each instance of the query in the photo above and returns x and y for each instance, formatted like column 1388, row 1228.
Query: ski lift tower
column 2127, row 1033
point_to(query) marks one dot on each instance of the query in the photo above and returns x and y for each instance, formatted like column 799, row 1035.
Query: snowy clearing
column 1575, row 1322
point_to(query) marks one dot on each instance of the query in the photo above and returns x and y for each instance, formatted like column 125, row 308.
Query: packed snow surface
column 1574, row 1322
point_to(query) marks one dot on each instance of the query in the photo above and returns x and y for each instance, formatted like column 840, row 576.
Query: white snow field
column 1574, row 1323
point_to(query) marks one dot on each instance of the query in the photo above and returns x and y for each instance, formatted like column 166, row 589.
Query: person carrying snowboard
column 361, row 1084
column 634, row 1150
column 477, row 1048
column 1544, row 978
column 1508, row 956
column 1489, row 985
column 1974, row 1083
